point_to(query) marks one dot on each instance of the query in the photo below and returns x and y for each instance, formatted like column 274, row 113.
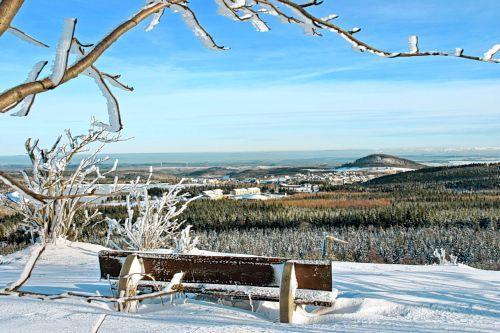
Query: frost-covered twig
column 28, row 268
column 155, row 225
column 13, row 96
column 440, row 255
column 185, row 243
column 24, row 36
column 95, row 328
column 53, row 193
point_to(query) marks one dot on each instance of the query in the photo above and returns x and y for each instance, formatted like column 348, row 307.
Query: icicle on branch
column 155, row 20
column 488, row 56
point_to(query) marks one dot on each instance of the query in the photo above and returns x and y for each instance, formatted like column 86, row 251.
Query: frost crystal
column 225, row 10
column 195, row 26
column 115, row 122
column 63, row 49
column 24, row 36
column 413, row 44
column 488, row 56
column 330, row 17
column 155, row 20
column 238, row 4
column 27, row 102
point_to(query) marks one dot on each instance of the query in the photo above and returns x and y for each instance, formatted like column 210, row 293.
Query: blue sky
column 280, row 90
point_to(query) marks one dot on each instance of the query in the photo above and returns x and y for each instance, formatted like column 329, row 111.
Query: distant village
column 262, row 188
column 272, row 182
column 283, row 185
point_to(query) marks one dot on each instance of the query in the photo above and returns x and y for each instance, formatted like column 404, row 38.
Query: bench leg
column 131, row 273
column 287, row 293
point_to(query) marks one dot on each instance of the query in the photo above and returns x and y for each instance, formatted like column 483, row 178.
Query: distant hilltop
column 383, row 160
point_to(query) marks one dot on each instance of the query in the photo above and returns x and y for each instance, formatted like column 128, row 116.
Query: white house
column 245, row 191
column 214, row 194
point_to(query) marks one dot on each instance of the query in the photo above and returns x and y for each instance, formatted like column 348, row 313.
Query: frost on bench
column 290, row 282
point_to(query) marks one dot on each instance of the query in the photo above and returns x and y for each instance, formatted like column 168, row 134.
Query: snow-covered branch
column 252, row 11
column 28, row 268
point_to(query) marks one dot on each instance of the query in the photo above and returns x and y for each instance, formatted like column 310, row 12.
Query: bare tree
column 22, row 96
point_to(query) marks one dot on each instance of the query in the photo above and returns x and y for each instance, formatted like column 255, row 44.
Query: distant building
column 213, row 194
column 251, row 197
column 245, row 191
column 306, row 188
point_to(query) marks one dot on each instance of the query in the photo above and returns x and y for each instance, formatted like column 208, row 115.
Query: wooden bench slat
column 227, row 270
column 302, row 297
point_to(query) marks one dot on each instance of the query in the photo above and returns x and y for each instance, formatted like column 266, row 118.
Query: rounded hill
column 383, row 160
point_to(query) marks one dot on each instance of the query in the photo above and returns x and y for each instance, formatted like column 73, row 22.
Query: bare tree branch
column 8, row 9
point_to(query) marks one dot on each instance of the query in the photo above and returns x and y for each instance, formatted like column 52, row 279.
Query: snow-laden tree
column 57, row 187
column 256, row 12
column 152, row 223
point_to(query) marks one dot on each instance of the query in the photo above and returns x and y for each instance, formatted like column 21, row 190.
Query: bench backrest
column 228, row 270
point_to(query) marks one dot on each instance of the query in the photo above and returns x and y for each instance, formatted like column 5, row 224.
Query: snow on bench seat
column 230, row 275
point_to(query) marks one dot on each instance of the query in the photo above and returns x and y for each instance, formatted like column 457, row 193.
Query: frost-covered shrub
column 440, row 255
column 56, row 188
column 155, row 225
column 185, row 243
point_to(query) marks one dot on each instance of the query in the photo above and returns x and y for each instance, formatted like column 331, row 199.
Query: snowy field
column 372, row 298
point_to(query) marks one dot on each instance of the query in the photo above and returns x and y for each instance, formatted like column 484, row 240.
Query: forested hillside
column 467, row 177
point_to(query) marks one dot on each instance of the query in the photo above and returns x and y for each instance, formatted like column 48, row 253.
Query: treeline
column 471, row 177
column 226, row 188
column 12, row 238
column 398, row 245
column 422, row 208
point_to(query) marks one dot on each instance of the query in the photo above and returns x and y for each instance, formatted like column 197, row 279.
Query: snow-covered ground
column 373, row 298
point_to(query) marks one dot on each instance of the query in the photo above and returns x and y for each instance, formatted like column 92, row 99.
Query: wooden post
column 287, row 293
column 131, row 273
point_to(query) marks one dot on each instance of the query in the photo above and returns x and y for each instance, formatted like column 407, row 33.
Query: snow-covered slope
column 373, row 298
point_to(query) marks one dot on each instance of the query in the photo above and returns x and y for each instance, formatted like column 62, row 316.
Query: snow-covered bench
column 289, row 282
